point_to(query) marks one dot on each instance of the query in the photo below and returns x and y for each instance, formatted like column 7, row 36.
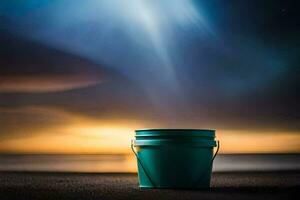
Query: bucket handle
column 140, row 162
column 212, row 160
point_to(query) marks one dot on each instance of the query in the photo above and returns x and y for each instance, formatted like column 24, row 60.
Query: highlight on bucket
column 174, row 158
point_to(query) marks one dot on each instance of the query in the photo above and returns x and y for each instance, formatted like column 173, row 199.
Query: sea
column 126, row 163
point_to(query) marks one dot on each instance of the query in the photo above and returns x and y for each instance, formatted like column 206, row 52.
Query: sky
column 79, row 76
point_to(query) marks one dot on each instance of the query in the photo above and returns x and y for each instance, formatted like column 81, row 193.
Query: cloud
column 47, row 82
column 28, row 67
column 238, row 79
column 41, row 129
column 30, row 120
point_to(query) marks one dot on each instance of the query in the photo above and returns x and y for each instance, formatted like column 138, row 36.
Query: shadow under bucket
column 174, row 158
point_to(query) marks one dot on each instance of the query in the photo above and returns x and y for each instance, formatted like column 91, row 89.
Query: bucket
column 174, row 158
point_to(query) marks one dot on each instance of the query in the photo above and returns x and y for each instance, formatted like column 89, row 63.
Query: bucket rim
column 175, row 129
column 175, row 133
column 168, row 142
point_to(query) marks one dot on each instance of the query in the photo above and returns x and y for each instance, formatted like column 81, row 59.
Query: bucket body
column 174, row 158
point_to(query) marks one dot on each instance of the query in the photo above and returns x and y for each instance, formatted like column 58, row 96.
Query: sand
column 229, row 185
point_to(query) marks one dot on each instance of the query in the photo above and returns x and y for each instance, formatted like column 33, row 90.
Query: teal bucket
column 174, row 158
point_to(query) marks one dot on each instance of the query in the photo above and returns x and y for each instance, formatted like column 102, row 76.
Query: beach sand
column 227, row 185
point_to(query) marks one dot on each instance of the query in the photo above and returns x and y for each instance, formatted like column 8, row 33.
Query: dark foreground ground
column 56, row 186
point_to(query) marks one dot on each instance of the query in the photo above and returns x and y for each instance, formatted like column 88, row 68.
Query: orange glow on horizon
column 78, row 134
column 258, row 142
column 73, row 140
column 92, row 139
